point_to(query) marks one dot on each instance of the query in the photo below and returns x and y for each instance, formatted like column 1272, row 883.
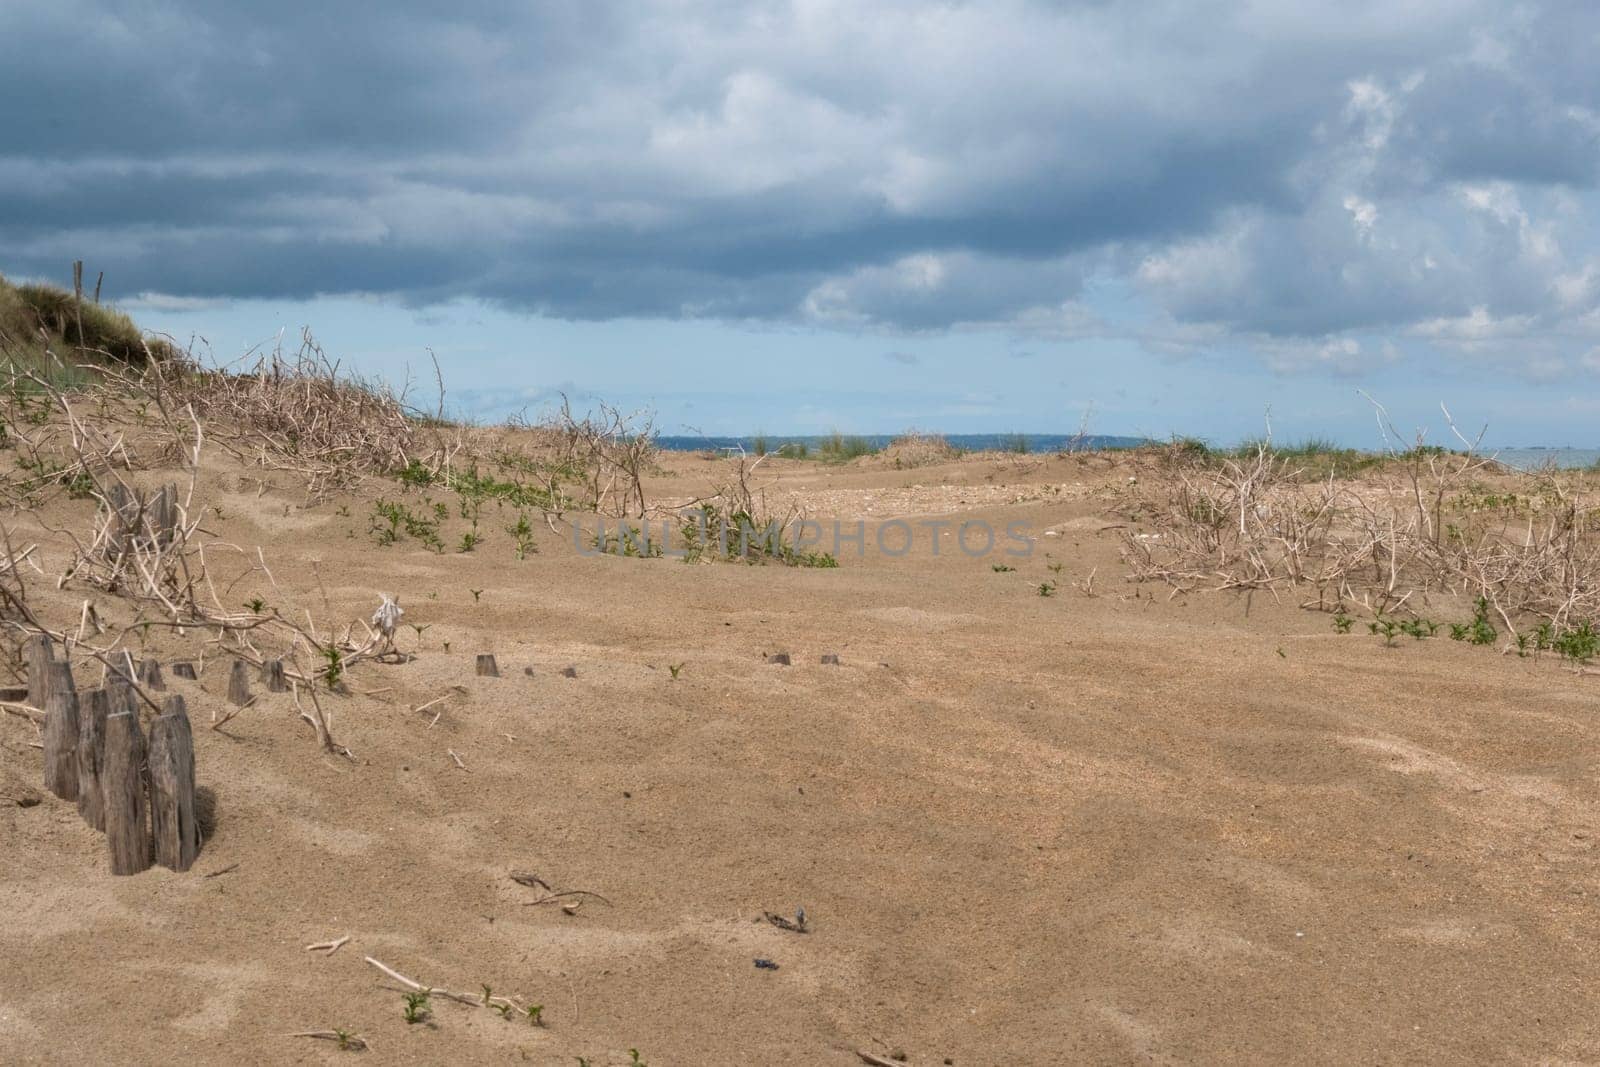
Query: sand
column 1103, row 825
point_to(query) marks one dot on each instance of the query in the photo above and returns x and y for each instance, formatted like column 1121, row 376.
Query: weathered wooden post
column 127, row 834
column 172, row 810
column 183, row 670
column 487, row 667
column 164, row 515
column 150, row 675
column 120, row 695
column 39, row 654
column 92, row 712
column 118, row 519
column 61, row 732
column 272, row 676
column 239, row 684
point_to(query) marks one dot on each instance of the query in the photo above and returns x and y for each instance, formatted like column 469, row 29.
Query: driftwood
column 127, row 835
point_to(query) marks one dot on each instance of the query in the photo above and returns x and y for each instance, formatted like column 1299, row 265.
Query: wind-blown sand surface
column 1024, row 829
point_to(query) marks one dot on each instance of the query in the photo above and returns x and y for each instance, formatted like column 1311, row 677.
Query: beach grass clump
column 917, row 449
column 839, row 448
column 38, row 320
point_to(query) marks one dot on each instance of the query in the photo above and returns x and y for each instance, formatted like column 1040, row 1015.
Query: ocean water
column 971, row 442
column 1535, row 458
column 1521, row 458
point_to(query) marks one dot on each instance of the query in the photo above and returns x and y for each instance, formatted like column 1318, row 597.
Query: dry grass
column 917, row 449
column 37, row 320
column 1426, row 522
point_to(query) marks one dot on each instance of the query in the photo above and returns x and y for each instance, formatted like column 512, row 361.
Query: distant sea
column 1523, row 458
column 970, row 442
column 1534, row 458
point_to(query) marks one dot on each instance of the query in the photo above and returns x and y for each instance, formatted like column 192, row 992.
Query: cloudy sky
column 813, row 214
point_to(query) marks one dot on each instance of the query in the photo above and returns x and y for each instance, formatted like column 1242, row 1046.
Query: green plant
column 415, row 474
column 1579, row 644
column 416, row 1007
column 1055, row 568
column 837, row 448
column 470, row 540
column 1388, row 628
column 1480, row 631
column 675, row 668
column 256, row 605
column 1047, row 588
column 1419, row 628
column 476, row 593
column 635, row 1061
column 1000, row 568
column 392, row 521
column 522, row 534
column 535, row 1013
column 1342, row 623
column 334, row 669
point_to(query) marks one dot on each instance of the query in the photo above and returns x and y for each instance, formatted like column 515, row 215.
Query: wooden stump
column 39, row 653
column 164, row 514
column 121, row 513
column 61, row 732
column 239, row 684
column 183, row 670
column 172, row 807
column 121, row 671
column 127, row 835
column 272, row 676
column 150, row 675
column 92, row 712
column 120, row 696
column 487, row 667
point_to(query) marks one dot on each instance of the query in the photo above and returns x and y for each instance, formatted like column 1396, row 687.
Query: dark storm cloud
column 1269, row 172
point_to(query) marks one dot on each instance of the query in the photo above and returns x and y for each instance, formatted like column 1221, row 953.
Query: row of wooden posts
column 140, row 792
